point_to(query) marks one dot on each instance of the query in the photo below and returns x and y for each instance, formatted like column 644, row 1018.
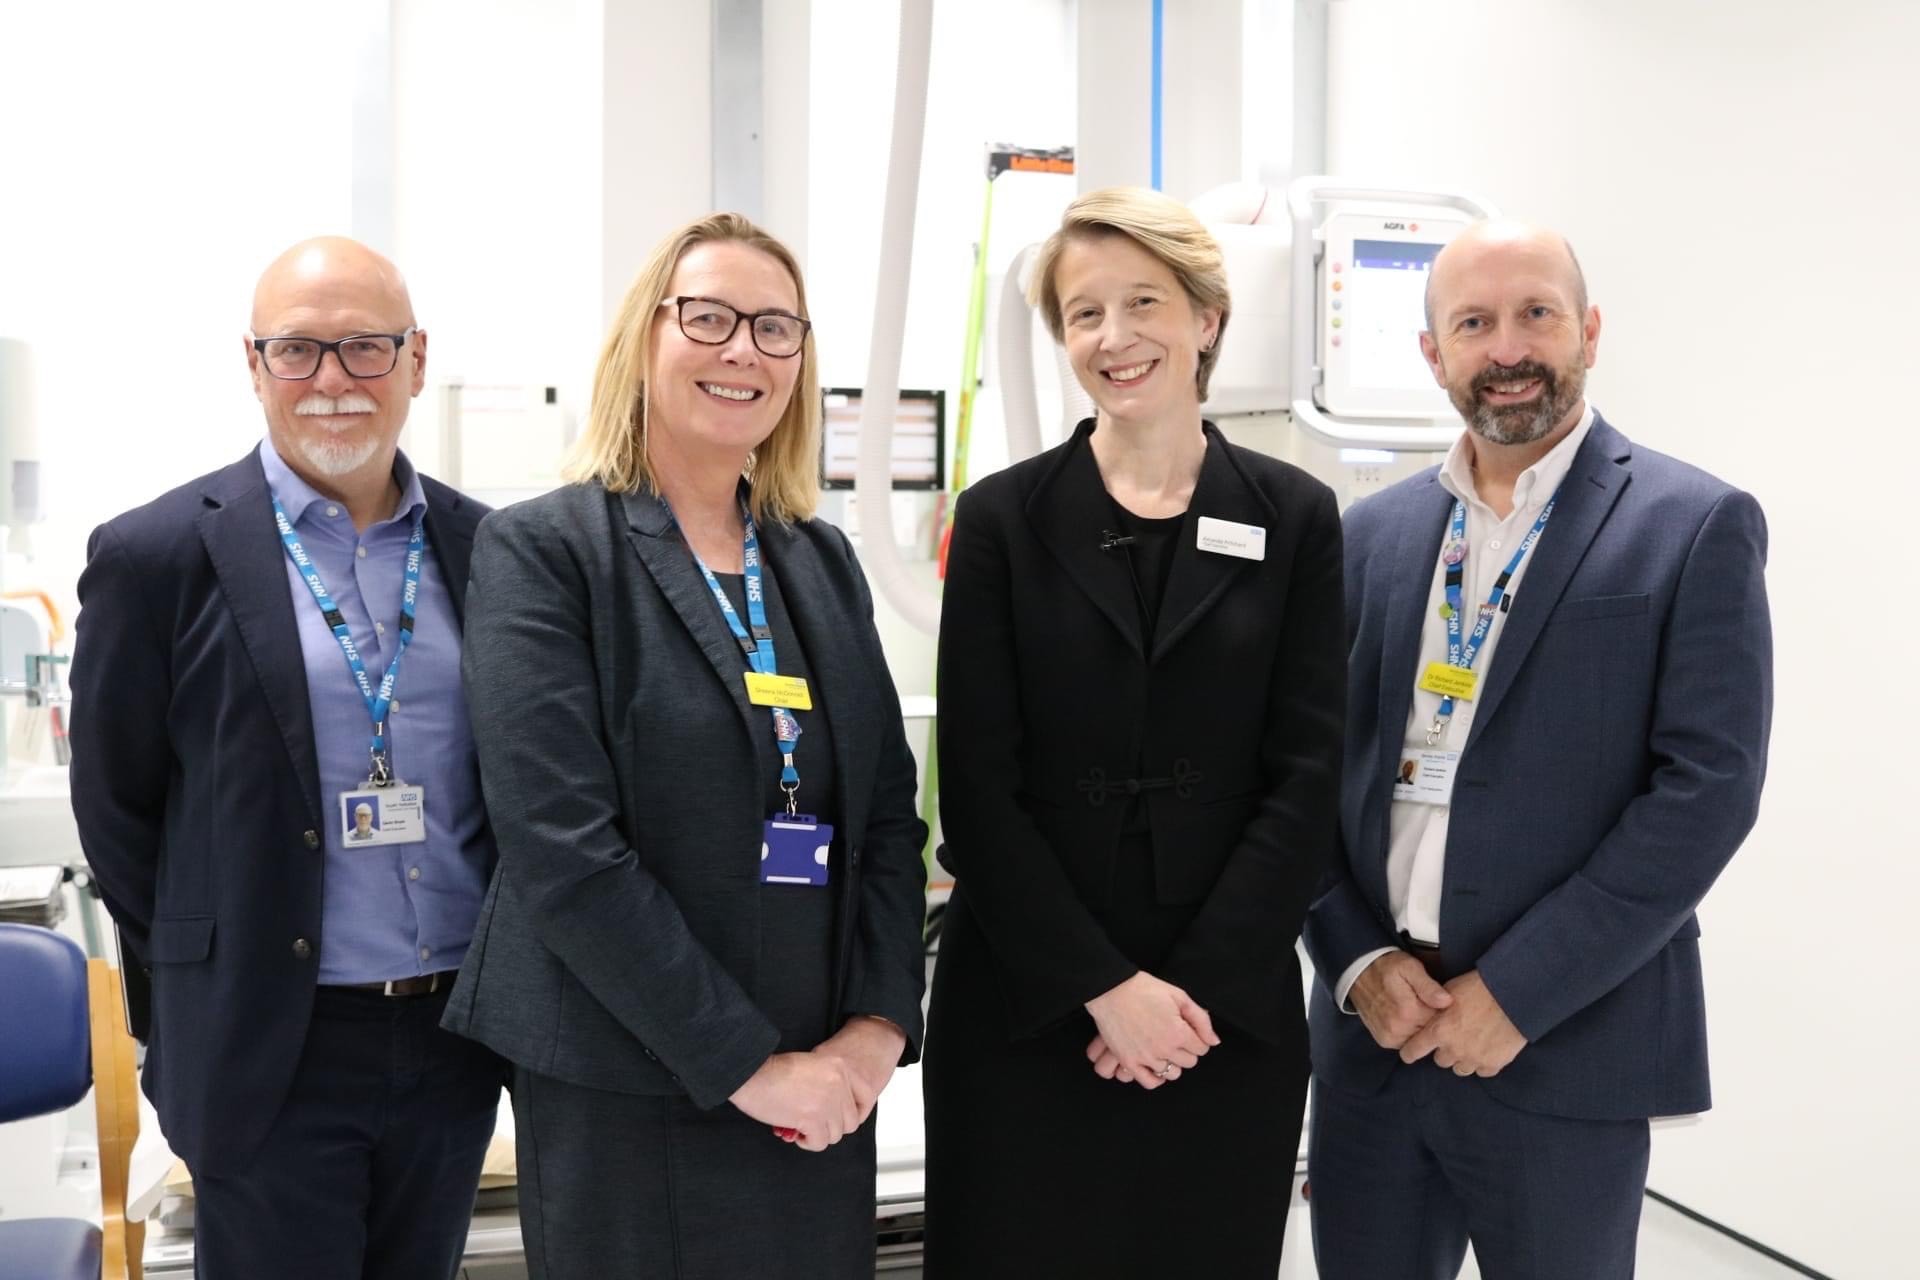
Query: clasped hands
column 1460, row 1024
column 1149, row 1032
column 816, row 1098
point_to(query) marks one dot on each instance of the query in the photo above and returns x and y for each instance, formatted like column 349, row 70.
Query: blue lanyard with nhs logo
column 794, row 846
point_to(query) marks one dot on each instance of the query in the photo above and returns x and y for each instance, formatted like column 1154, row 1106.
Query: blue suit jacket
column 1614, row 766
column 197, row 792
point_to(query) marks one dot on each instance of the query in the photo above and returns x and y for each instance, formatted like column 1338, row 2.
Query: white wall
column 1738, row 180
column 146, row 178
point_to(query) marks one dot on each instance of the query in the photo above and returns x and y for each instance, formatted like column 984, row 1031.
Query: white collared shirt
column 1417, row 841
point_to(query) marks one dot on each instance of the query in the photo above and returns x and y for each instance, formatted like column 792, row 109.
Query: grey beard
column 336, row 458
column 1510, row 426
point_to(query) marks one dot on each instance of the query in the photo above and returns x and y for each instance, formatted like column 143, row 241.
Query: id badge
column 383, row 815
column 778, row 691
column 1450, row 681
column 793, row 850
column 1225, row 538
column 1425, row 776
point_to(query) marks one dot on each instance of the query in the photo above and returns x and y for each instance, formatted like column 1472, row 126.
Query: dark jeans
column 369, row 1172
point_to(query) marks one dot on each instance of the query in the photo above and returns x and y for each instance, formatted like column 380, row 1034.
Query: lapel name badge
column 1224, row 537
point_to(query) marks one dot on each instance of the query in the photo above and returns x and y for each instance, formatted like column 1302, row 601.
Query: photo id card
column 383, row 815
column 1425, row 776
column 793, row 850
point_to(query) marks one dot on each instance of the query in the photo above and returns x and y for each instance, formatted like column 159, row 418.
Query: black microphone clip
column 1109, row 539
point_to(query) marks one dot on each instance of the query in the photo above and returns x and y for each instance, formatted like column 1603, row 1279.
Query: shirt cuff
column 1352, row 975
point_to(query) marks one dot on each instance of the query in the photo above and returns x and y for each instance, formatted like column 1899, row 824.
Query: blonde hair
column 783, row 474
column 1160, row 225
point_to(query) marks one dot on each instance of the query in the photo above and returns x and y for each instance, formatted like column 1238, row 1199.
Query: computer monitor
column 919, row 439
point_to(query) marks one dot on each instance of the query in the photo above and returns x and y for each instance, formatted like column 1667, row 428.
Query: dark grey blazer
column 1614, row 767
column 619, row 944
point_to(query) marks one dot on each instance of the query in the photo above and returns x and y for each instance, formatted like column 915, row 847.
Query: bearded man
column 238, row 686
column 1569, row 636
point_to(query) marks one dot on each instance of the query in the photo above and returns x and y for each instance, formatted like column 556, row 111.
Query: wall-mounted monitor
column 919, row 451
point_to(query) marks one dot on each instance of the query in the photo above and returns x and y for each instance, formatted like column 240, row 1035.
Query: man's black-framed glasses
column 362, row 355
column 713, row 322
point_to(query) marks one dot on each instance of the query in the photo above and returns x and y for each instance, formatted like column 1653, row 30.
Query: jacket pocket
column 1592, row 607
column 180, row 940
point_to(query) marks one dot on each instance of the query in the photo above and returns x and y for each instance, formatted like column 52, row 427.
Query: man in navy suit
column 258, row 650
column 1559, row 702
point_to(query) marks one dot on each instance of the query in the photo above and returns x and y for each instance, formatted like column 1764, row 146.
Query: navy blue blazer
column 197, row 793
column 1614, row 766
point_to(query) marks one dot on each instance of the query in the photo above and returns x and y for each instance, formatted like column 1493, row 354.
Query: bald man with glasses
column 276, row 788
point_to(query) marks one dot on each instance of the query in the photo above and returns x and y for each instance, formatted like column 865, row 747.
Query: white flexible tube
column 880, row 397
column 1019, row 397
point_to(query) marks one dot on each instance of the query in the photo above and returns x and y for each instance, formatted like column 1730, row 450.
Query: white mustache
column 318, row 406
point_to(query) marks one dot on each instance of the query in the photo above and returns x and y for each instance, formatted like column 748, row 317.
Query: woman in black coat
column 1142, row 676
column 701, row 949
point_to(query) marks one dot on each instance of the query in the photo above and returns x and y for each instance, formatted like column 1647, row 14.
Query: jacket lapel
column 666, row 557
column 450, row 538
column 1416, row 550
column 1594, row 483
column 1068, row 510
column 248, row 558
column 1197, row 579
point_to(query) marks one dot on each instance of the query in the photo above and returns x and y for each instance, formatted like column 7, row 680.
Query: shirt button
column 302, row 948
column 312, row 838
column 426, row 953
column 380, row 628
column 333, row 511
column 413, row 873
column 1494, row 545
column 361, row 552
column 393, row 706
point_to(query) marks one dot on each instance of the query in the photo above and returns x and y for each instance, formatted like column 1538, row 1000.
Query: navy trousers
column 369, row 1172
column 1402, row 1179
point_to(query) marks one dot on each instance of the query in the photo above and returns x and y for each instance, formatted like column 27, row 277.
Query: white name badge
column 383, row 815
column 1223, row 537
column 1425, row 776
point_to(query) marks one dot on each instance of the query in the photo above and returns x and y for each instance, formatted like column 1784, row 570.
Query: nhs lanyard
column 380, row 772
column 1462, row 653
column 758, row 647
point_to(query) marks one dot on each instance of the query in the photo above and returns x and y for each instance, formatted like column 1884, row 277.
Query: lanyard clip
column 1434, row 730
column 380, row 771
column 792, row 790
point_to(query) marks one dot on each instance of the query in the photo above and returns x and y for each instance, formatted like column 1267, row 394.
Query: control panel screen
column 1386, row 310
column 919, row 430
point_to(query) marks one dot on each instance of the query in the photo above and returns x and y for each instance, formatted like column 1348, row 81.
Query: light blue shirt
column 392, row 910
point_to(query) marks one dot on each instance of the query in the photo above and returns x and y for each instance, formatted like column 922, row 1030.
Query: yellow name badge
column 778, row 691
column 1447, row 681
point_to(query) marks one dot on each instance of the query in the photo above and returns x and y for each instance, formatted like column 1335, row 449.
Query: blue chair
column 61, row 1012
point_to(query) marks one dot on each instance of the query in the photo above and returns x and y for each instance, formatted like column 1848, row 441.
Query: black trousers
column 369, row 1172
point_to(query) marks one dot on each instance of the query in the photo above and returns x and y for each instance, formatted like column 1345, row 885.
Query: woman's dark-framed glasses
column 713, row 322
column 362, row 355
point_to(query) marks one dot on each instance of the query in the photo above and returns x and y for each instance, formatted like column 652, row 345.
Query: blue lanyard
column 380, row 773
column 758, row 647
column 1461, row 654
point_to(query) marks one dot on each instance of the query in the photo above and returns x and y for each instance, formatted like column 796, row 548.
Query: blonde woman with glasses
column 701, row 951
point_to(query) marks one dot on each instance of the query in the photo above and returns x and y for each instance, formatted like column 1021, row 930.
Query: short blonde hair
column 1160, row 225
column 783, row 475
